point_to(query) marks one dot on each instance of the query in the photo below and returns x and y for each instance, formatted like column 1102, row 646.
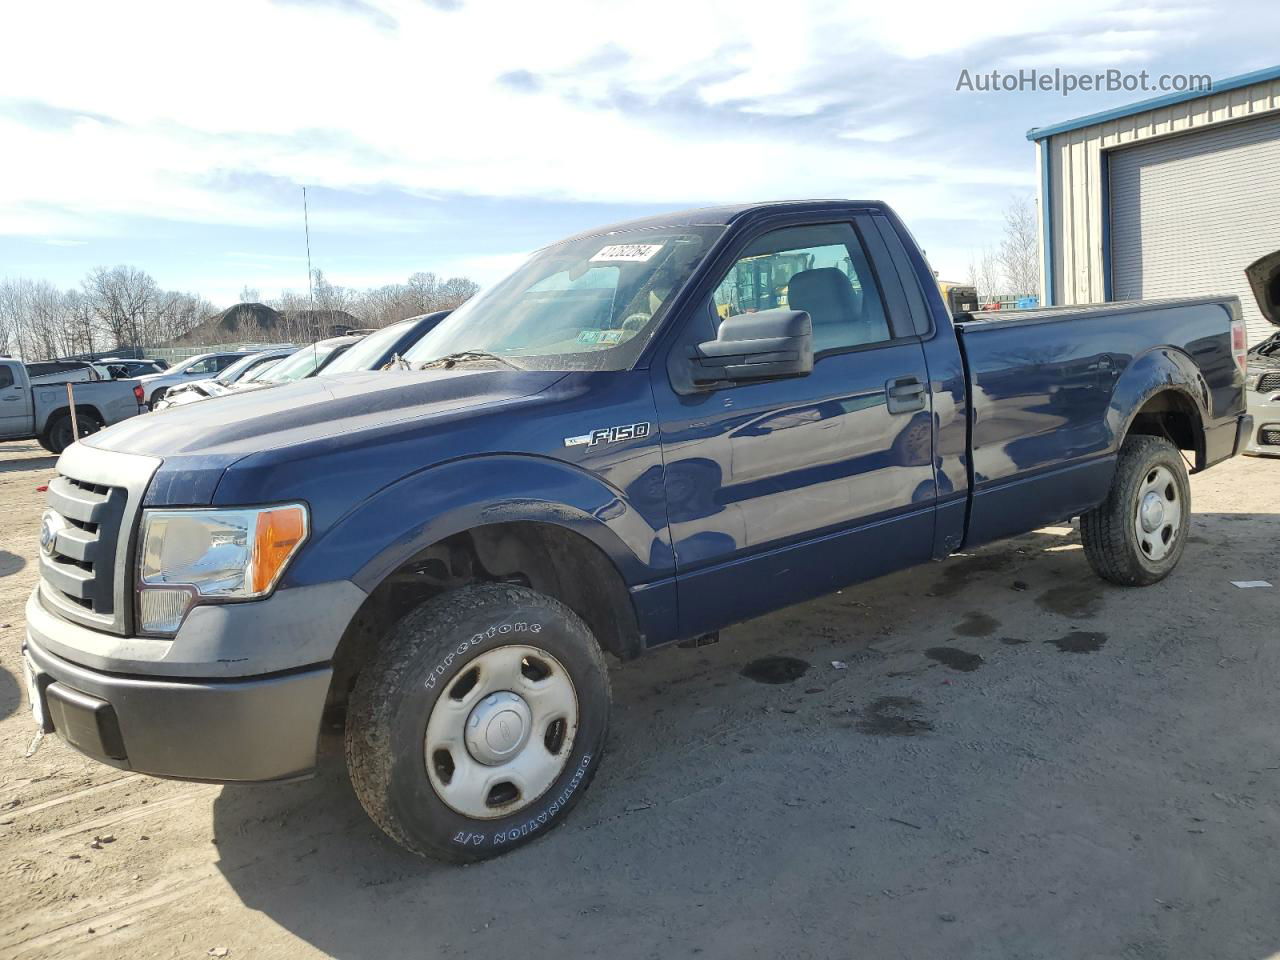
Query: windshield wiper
column 452, row 360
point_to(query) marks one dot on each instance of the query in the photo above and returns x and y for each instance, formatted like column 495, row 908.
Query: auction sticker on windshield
column 627, row 252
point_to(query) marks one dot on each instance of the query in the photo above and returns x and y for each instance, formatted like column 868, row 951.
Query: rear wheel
column 58, row 434
column 1137, row 535
column 479, row 723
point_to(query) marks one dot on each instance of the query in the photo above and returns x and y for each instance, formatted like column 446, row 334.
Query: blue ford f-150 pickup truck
column 646, row 433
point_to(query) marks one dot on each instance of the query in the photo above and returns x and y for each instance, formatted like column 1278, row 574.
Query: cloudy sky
column 455, row 135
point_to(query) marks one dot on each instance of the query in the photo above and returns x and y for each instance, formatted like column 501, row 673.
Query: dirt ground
column 1015, row 761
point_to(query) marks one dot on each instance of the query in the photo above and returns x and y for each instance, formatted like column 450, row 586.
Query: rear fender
column 1154, row 372
column 405, row 518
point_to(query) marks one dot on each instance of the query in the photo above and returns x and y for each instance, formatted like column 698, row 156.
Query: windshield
column 302, row 364
column 188, row 363
column 239, row 368
column 261, row 372
column 363, row 355
column 589, row 304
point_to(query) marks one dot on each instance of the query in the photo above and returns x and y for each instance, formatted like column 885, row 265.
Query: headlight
column 1251, row 380
column 191, row 555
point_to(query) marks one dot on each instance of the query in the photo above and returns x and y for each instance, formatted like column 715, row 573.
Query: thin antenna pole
column 306, row 226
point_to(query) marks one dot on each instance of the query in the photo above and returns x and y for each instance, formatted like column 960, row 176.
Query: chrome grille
column 1269, row 381
column 85, row 560
column 78, row 540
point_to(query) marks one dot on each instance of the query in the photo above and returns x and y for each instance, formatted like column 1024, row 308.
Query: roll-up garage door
column 1190, row 212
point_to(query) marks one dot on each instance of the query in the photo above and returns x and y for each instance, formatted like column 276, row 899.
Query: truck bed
column 1043, row 386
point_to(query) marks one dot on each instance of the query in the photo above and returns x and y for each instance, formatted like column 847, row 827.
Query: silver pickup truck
column 40, row 411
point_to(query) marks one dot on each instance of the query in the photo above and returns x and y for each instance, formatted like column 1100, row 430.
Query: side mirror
column 756, row 346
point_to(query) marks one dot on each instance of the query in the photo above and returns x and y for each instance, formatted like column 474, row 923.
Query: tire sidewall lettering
column 539, row 820
column 440, row 669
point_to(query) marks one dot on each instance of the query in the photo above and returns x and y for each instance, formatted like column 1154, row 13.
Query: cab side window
column 6, row 376
column 821, row 269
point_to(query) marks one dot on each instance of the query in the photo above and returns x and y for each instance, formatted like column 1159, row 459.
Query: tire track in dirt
column 20, row 812
column 129, row 911
column 116, row 819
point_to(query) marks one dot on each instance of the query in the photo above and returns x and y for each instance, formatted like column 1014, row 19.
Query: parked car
column 200, row 367
column 1263, row 386
column 299, row 365
column 123, row 367
column 381, row 348
column 354, row 351
column 1263, row 380
column 66, row 371
column 31, row 410
column 302, row 363
column 591, row 457
column 216, row 386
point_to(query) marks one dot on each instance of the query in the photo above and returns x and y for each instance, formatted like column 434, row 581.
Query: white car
column 245, row 367
column 200, row 367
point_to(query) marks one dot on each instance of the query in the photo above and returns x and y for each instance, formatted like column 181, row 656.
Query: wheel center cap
column 498, row 727
column 1151, row 513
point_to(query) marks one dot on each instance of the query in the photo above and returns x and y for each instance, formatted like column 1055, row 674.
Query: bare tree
column 9, row 322
column 34, row 318
column 173, row 315
column 81, row 319
column 1019, row 254
column 119, row 308
column 327, row 296
column 456, row 291
column 250, row 294
column 121, row 297
column 984, row 274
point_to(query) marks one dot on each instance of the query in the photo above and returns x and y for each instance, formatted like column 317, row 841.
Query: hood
column 189, row 386
column 242, row 423
column 1264, row 278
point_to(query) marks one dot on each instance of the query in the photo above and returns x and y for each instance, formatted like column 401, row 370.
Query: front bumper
column 1265, row 410
column 236, row 696
column 261, row 728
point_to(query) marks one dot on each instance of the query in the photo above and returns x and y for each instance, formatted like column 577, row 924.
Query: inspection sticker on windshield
column 627, row 252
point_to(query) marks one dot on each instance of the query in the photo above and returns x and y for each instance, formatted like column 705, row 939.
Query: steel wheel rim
column 501, row 732
column 1158, row 511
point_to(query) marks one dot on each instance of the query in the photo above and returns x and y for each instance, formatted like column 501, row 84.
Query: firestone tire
column 424, row 780
column 1136, row 536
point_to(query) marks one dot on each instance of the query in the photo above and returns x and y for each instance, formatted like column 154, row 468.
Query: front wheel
column 1136, row 536
column 479, row 723
column 58, row 435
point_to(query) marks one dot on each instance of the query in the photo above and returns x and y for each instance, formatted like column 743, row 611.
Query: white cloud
column 418, row 106
column 191, row 113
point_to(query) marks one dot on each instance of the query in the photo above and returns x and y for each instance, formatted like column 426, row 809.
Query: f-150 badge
column 627, row 431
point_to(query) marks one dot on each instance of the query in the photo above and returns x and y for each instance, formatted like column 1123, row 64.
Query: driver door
column 786, row 489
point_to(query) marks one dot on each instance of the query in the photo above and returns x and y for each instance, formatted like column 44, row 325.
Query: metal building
column 1173, row 196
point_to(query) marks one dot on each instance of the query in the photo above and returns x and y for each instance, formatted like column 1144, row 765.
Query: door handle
column 904, row 394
